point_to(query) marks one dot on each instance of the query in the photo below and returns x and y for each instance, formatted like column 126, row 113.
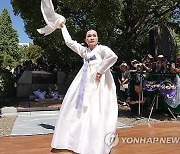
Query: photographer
column 162, row 65
column 175, row 67
column 139, row 67
column 136, row 94
column 149, row 63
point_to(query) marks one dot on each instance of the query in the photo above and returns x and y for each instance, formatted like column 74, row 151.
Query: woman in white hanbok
column 89, row 110
column 87, row 120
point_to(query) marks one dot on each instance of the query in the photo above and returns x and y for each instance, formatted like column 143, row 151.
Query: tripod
column 155, row 101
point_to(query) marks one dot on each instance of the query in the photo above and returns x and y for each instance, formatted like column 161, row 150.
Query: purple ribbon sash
column 80, row 97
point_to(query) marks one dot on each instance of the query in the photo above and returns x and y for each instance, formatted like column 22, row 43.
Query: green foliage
column 78, row 21
column 123, row 25
column 178, row 44
column 33, row 52
column 8, row 60
column 9, row 55
column 7, row 88
column 138, row 17
column 8, row 40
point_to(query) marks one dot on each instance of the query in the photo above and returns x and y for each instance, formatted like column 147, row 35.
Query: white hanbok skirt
column 85, row 132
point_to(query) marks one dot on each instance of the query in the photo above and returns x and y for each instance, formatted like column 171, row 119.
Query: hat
column 123, row 64
column 134, row 62
column 150, row 56
column 160, row 56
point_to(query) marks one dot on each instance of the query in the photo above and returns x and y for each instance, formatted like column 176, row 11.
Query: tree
column 78, row 21
column 33, row 52
column 9, row 55
column 178, row 43
column 8, row 40
column 124, row 25
column 138, row 18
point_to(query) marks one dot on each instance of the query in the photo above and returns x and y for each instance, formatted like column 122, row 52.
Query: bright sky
column 17, row 22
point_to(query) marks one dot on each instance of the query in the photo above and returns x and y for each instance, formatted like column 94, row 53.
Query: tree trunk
column 162, row 42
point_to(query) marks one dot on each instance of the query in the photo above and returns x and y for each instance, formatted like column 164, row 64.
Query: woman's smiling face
column 91, row 39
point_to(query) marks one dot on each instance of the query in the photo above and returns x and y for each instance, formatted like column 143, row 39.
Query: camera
column 139, row 67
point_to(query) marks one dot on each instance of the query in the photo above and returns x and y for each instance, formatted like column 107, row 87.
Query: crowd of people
column 129, row 88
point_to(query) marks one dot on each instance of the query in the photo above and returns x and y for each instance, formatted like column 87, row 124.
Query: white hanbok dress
column 84, row 131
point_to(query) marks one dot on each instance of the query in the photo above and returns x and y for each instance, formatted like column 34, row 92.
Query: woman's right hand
column 98, row 76
column 61, row 25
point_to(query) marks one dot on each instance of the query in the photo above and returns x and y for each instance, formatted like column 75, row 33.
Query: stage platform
column 164, row 134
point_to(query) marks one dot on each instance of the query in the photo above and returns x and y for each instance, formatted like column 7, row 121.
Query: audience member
column 175, row 67
column 136, row 96
column 139, row 67
column 162, row 65
column 123, row 79
column 149, row 63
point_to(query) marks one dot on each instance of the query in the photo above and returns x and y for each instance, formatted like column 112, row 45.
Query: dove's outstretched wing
column 52, row 19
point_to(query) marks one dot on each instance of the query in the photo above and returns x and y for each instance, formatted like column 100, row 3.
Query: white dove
column 52, row 19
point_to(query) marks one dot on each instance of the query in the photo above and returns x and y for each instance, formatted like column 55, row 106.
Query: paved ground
column 32, row 123
column 41, row 122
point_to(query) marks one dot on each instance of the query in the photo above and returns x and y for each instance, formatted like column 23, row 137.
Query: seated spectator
column 135, row 97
